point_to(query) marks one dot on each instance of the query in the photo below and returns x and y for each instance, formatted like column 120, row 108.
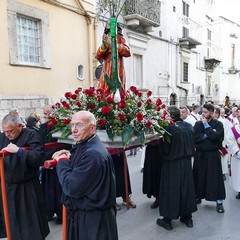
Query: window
column 185, row 72
column 28, row 31
column 28, row 40
column 185, row 9
column 185, row 33
column 137, row 66
column 209, row 35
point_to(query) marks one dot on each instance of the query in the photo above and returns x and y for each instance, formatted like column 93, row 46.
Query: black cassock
column 24, row 193
column 52, row 190
column 207, row 167
column 89, row 192
column 118, row 164
column 176, row 194
column 152, row 170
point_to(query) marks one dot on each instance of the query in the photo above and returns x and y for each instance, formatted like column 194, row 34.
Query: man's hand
column 11, row 148
column 204, row 120
column 61, row 154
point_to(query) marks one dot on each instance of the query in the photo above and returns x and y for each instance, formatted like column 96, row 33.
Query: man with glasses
column 86, row 175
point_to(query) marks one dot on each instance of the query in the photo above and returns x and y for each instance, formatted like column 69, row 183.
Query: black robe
column 118, row 164
column 24, row 193
column 89, row 191
column 207, row 167
column 176, row 194
column 52, row 190
column 152, row 170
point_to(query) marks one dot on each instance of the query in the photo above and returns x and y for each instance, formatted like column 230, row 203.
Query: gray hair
column 13, row 118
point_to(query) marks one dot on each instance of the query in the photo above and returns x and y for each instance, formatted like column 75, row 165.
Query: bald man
column 86, row 175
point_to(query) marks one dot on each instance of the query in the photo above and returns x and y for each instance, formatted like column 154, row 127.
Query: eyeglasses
column 79, row 125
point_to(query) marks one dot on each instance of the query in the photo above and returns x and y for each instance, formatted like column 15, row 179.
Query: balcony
column 211, row 64
column 142, row 13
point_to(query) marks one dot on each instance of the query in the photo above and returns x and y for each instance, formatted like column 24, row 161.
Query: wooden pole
column 126, row 178
column 64, row 226
column 4, row 198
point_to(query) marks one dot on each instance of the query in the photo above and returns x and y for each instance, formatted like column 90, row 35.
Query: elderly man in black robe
column 86, row 175
column 207, row 167
column 176, row 194
column 24, row 193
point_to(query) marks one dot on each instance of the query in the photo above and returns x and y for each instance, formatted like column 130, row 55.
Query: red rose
column 122, row 117
column 66, row 121
column 149, row 93
column 158, row 101
column 122, row 104
column 163, row 106
column 67, row 95
column 102, row 122
column 106, row 110
column 91, row 106
column 57, row 104
column 78, row 104
column 148, row 123
column 158, row 108
column 67, row 106
column 139, row 94
column 54, row 121
column 164, row 112
column 140, row 117
column 133, row 88
column 139, row 104
column 109, row 100
column 74, row 96
column 149, row 101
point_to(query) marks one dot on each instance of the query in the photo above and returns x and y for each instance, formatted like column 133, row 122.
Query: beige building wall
column 68, row 41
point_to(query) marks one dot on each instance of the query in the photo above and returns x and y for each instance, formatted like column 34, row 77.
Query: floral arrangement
column 125, row 114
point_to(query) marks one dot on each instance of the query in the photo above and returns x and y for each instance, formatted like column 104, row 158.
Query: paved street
column 140, row 223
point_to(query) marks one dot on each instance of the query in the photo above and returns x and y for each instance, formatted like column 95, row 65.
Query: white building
column 180, row 51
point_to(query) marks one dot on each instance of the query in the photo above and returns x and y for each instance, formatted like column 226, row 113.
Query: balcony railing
column 147, row 13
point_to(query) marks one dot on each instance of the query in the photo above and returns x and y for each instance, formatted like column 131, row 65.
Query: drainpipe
column 176, row 78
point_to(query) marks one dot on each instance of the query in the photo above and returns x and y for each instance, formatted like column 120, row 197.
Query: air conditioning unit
column 198, row 89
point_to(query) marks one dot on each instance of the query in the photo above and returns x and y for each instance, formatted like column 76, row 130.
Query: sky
column 229, row 9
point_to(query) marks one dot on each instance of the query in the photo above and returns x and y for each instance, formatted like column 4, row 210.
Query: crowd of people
column 204, row 148
column 178, row 173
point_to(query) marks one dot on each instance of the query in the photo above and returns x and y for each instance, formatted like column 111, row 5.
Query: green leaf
column 65, row 132
column 141, row 136
column 127, row 133
column 110, row 83
column 110, row 133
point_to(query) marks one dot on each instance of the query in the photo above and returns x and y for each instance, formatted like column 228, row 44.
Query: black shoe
column 220, row 208
column 155, row 204
column 238, row 196
column 198, row 201
column 188, row 222
column 165, row 224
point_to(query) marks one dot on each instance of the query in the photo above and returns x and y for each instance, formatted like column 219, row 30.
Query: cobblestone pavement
column 140, row 223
